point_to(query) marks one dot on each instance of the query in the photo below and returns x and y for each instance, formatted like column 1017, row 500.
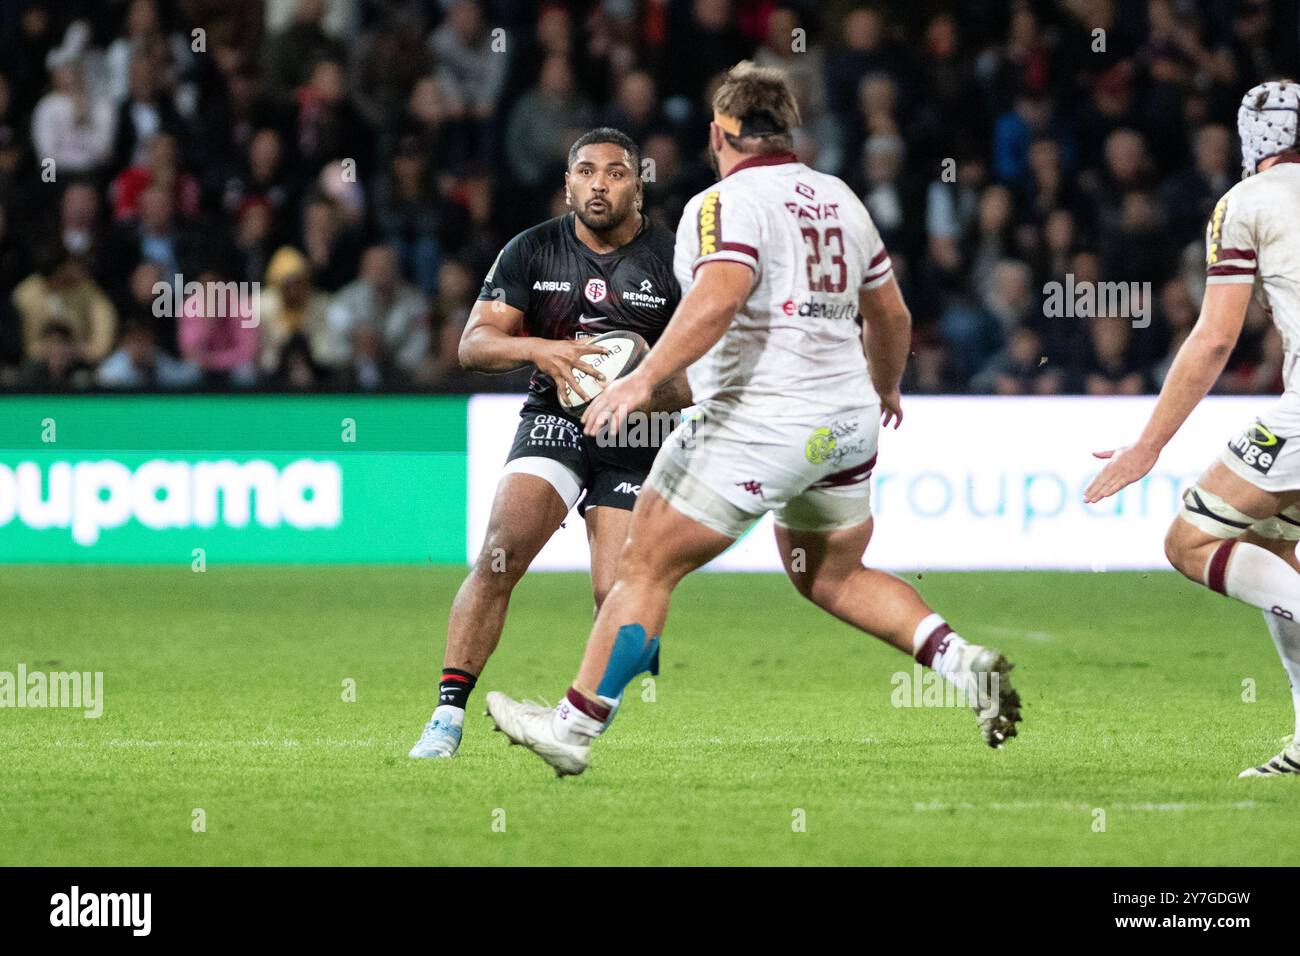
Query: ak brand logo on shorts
column 1257, row 447
column 710, row 214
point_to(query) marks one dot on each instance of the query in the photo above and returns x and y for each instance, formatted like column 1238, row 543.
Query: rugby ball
column 626, row 350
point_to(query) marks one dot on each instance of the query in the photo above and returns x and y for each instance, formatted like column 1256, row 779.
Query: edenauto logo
column 88, row 497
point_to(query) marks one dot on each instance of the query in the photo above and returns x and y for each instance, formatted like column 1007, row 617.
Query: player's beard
column 713, row 161
column 604, row 222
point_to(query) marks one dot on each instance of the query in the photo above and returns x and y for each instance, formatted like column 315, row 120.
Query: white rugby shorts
column 726, row 470
column 1267, row 452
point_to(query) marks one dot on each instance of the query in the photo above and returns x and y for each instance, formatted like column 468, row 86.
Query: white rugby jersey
column 795, row 348
column 1254, row 236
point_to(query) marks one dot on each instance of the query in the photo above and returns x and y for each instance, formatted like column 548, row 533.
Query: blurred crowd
column 363, row 161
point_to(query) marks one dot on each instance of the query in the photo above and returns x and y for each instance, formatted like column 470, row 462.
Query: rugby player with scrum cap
column 795, row 334
column 603, row 267
column 1237, row 530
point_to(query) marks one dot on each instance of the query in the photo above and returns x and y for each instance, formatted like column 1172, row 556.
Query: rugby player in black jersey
column 602, row 267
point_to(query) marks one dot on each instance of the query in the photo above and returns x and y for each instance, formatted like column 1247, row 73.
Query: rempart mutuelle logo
column 88, row 497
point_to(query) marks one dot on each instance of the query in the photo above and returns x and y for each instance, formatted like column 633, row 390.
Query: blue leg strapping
column 631, row 655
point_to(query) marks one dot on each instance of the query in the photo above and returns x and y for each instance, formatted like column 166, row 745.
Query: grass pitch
column 224, row 693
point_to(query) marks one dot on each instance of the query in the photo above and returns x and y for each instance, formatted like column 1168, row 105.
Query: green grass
column 223, row 692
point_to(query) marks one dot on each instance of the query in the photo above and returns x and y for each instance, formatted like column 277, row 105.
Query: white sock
column 454, row 715
column 935, row 639
column 1256, row 576
column 1286, row 637
column 572, row 726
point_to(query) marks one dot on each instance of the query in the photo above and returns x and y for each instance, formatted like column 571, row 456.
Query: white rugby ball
column 626, row 349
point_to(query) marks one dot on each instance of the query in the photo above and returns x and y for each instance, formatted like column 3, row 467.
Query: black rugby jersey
column 566, row 290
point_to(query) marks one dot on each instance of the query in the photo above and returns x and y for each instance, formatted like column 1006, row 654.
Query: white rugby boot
column 531, row 726
column 986, row 678
column 1285, row 764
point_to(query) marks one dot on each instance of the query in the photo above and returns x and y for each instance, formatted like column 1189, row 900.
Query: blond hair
column 758, row 97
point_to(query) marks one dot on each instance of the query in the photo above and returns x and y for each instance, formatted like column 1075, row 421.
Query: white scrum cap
column 1267, row 121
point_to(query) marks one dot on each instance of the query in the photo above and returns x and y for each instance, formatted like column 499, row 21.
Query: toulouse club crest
column 595, row 291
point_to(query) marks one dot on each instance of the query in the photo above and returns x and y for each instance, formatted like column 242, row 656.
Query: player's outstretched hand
column 1126, row 466
column 891, row 409
column 611, row 407
column 559, row 357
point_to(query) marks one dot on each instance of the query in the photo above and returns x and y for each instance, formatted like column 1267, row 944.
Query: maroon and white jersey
column 1254, row 236
column 794, row 349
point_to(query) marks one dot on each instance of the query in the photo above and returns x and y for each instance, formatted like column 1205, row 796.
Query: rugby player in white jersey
column 1237, row 530
column 776, row 262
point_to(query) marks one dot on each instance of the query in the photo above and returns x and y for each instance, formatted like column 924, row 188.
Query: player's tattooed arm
column 1197, row 366
column 887, row 340
column 671, row 395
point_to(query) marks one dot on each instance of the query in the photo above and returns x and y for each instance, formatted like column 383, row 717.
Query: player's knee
column 501, row 562
column 822, row 588
column 1176, row 546
column 1187, row 549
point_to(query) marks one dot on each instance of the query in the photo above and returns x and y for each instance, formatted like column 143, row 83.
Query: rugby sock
column 1286, row 636
column 1256, row 576
column 578, row 718
column 938, row 646
column 454, row 687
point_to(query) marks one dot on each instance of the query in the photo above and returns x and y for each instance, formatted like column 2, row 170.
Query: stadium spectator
column 81, row 231
column 155, row 233
column 218, row 332
column 1019, row 369
column 294, row 319
column 61, row 291
column 73, row 125
column 141, row 365
column 57, row 365
column 1189, row 196
column 263, row 177
column 332, row 247
column 412, row 217
column 292, row 52
column 143, row 39
column 457, row 290
column 159, row 167
column 145, row 113
column 471, row 73
column 1109, row 367
column 147, row 287
column 380, row 301
column 635, row 110
column 863, row 52
column 544, row 121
